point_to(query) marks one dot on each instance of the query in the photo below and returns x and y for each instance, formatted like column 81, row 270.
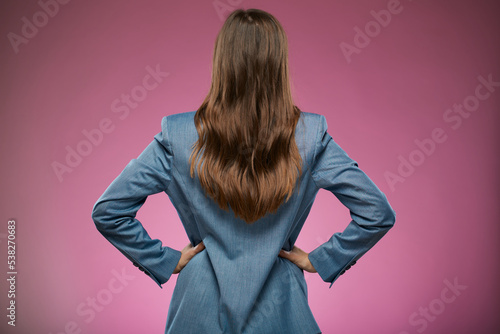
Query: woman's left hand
column 187, row 253
column 299, row 258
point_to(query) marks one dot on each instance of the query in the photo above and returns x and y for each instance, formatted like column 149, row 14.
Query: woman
column 242, row 172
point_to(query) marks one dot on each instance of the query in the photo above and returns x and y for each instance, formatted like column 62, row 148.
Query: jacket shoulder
column 178, row 130
column 178, row 122
column 313, row 122
column 178, row 118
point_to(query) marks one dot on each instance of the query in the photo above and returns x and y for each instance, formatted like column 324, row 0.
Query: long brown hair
column 246, row 156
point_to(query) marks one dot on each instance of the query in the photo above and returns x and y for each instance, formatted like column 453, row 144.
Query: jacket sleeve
column 115, row 211
column 371, row 213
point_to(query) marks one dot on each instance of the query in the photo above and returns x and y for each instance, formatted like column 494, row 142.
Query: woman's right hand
column 299, row 258
column 187, row 254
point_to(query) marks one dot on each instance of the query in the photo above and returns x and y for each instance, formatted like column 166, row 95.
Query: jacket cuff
column 328, row 268
column 161, row 273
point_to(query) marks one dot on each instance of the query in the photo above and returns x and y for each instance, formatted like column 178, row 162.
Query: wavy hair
column 246, row 156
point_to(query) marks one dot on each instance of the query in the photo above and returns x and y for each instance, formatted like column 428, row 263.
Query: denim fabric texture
column 238, row 284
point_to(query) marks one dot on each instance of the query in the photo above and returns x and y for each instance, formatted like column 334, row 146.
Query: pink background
column 394, row 91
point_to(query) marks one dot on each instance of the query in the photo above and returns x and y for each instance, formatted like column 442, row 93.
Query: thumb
column 199, row 247
column 285, row 254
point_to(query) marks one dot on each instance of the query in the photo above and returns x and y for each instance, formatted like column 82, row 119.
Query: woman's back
column 239, row 257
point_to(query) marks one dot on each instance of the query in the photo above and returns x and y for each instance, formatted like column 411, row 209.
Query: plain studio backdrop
column 410, row 90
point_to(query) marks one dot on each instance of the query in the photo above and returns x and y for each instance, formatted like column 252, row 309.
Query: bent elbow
column 389, row 216
column 391, row 220
column 384, row 215
column 98, row 214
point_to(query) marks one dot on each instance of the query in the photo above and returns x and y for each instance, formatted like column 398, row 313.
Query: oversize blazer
column 238, row 284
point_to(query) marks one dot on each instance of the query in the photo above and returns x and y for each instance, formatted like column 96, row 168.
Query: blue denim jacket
column 238, row 284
